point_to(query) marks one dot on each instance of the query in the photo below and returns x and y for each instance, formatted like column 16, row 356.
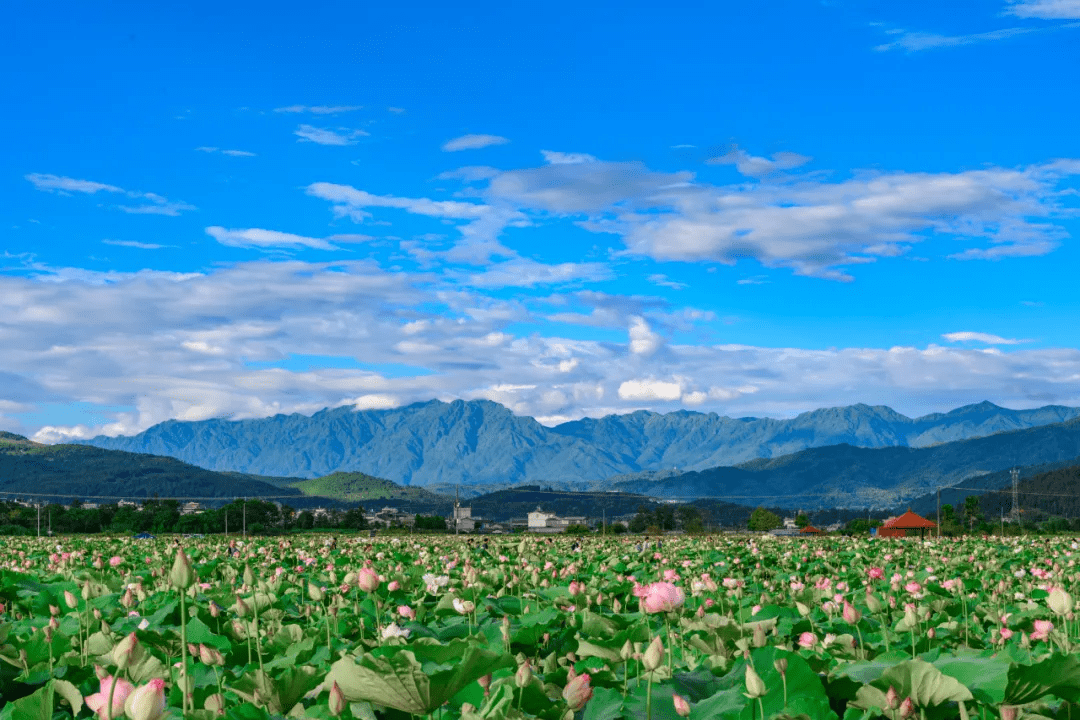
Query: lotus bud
column 193, row 649
column 907, row 708
column 873, row 603
column 249, row 576
column 181, row 576
column 215, row 704
column 523, row 676
column 315, row 592
column 337, row 700
column 146, row 702
column 759, row 636
column 892, row 699
column 627, row 651
column 485, row 682
column 239, row 629
column 578, row 692
column 1060, row 601
column 931, row 633
column 850, row 614
column 210, row 656
column 616, row 606
column 654, row 655
column 682, row 708
column 755, row 686
column 54, row 610
column 70, row 600
column 128, row 599
column 802, row 608
column 241, row 607
column 1009, row 712
column 47, row 632
column 54, row 623
column 780, row 664
column 215, row 609
column 127, row 652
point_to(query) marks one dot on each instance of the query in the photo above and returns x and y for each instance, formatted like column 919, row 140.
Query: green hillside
column 360, row 487
column 80, row 471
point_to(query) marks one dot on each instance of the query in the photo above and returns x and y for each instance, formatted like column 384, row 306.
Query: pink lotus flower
column 367, row 579
column 663, row 597
column 406, row 612
column 394, row 586
column 808, row 640
column 98, row 701
column 1006, row 633
column 116, row 561
column 670, row 575
column 1042, row 629
column 875, row 573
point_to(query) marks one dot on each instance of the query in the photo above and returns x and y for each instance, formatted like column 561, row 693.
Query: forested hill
column 80, row 471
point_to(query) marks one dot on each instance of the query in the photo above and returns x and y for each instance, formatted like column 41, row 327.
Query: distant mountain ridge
column 847, row 476
column 480, row 442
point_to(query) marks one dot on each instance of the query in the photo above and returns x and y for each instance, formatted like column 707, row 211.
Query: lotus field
column 434, row 626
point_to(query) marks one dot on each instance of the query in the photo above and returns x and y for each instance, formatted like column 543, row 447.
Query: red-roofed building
column 899, row 526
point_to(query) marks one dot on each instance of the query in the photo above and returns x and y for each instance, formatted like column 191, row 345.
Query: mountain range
column 479, row 442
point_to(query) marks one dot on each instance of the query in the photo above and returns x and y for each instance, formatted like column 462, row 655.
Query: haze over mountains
column 483, row 443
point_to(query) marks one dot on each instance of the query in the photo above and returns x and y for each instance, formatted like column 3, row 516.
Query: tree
column 802, row 520
column 972, row 511
column 617, row 529
column 762, row 519
column 577, row 530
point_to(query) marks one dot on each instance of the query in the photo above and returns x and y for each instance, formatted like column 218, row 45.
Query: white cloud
column 917, row 41
column 374, row 402
column 985, row 338
column 1046, row 9
column 56, row 183
column 233, row 153
column 811, row 225
column 552, row 157
column 319, row 109
column 265, row 239
column 523, row 272
column 664, row 281
column 69, row 336
column 157, row 205
column 473, row 142
column 649, row 391
column 470, row 173
column 135, row 244
column 326, row 136
column 754, row 280
column 753, row 166
column 643, row 341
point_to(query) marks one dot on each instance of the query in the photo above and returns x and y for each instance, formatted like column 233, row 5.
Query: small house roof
column 909, row 520
column 811, row 529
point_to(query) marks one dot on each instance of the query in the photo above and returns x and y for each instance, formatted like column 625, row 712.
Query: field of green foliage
column 552, row 628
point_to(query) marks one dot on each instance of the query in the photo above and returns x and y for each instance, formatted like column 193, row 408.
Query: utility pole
column 1015, row 472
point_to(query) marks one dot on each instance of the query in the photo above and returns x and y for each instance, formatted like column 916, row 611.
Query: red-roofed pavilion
column 811, row 529
column 898, row 527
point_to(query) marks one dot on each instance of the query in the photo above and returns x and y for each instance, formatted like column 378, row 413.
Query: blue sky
column 587, row 208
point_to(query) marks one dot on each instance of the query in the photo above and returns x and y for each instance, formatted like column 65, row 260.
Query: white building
column 545, row 522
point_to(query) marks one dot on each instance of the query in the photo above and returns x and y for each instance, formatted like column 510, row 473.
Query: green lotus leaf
column 399, row 681
column 922, row 682
column 1057, row 675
